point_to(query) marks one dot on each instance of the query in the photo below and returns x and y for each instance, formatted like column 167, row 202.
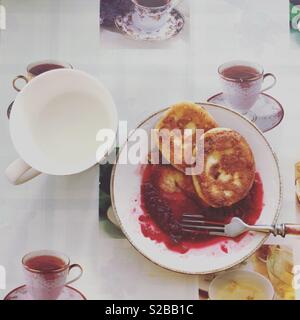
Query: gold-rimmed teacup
column 151, row 15
column 36, row 68
column 242, row 83
column 46, row 273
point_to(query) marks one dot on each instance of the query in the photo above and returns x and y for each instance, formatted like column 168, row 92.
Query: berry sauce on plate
column 163, row 210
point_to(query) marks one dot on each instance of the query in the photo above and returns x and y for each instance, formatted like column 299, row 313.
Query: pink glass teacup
column 242, row 83
column 46, row 273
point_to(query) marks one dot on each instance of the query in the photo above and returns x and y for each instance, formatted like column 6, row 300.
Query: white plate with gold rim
column 125, row 191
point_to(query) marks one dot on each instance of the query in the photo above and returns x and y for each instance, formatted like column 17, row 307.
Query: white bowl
column 55, row 120
column 239, row 276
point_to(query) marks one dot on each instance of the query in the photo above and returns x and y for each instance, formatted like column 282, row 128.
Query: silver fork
column 197, row 223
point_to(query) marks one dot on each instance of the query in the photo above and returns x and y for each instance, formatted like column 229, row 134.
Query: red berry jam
column 163, row 210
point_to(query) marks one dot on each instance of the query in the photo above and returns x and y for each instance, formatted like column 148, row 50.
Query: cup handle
column 119, row 21
column 272, row 84
column 76, row 278
column 19, row 172
column 14, row 83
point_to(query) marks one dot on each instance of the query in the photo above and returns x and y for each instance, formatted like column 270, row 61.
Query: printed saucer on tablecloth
column 266, row 113
column 170, row 29
column 68, row 293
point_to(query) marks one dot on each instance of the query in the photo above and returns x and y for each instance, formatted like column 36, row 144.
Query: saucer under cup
column 67, row 293
column 170, row 28
column 266, row 113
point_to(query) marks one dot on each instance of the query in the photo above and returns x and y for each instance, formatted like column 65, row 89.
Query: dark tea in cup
column 240, row 73
column 152, row 3
column 45, row 263
column 44, row 67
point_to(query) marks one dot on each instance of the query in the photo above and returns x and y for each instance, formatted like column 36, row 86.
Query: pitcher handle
column 19, row 172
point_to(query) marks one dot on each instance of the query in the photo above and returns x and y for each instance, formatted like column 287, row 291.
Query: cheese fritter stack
column 185, row 115
column 229, row 168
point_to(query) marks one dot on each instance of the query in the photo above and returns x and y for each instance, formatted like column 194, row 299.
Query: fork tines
column 196, row 223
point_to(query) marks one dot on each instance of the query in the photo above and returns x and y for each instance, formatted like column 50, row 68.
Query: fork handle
column 278, row 229
column 290, row 228
column 262, row 228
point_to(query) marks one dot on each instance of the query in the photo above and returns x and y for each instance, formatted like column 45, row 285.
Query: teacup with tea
column 46, row 273
column 151, row 15
column 242, row 83
column 36, row 68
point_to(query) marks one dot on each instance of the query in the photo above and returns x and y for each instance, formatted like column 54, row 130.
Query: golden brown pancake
column 172, row 180
column 181, row 116
column 229, row 168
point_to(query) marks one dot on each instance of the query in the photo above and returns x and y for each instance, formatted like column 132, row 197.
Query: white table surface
column 62, row 212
